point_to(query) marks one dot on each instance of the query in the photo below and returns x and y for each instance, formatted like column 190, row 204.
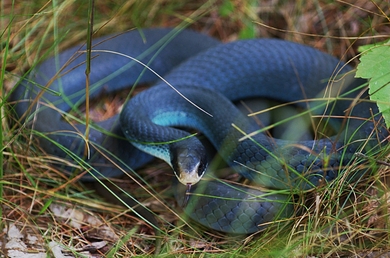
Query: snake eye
column 202, row 166
column 188, row 162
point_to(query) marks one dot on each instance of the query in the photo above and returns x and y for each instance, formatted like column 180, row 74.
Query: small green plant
column 375, row 67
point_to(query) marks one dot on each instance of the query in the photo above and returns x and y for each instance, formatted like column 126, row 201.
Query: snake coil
column 212, row 75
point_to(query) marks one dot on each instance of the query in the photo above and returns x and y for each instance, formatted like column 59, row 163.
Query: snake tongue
column 187, row 195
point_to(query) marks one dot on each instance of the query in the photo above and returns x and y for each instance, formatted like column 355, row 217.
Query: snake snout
column 189, row 162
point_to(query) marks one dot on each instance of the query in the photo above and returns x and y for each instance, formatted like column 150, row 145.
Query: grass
column 338, row 220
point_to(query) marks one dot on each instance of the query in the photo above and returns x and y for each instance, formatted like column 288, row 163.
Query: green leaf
column 226, row 8
column 248, row 32
column 368, row 47
column 375, row 67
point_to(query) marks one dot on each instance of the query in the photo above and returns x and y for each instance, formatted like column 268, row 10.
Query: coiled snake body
column 211, row 75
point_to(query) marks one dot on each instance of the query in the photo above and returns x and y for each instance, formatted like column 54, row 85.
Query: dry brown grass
column 330, row 227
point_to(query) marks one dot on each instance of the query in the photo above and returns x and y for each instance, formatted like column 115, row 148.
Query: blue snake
column 207, row 77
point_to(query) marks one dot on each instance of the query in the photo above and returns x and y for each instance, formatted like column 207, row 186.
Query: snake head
column 189, row 162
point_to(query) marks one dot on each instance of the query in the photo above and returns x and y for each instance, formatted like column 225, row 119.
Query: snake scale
column 210, row 75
